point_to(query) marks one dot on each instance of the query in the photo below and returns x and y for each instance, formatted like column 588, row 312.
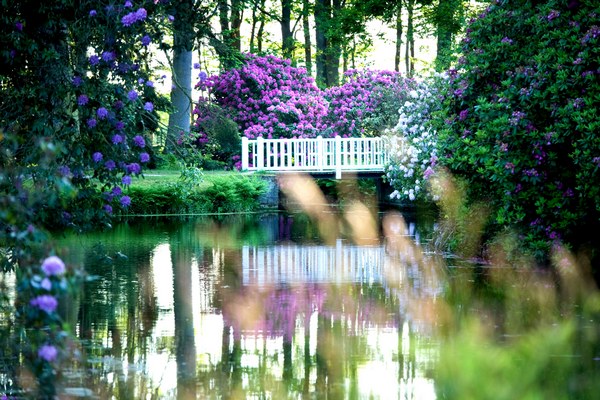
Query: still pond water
column 261, row 307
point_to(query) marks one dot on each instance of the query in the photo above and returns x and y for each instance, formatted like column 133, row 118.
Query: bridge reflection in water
column 293, row 264
column 189, row 314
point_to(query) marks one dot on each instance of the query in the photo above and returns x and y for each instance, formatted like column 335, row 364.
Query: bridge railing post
column 245, row 153
column 320, row 153
column 260, row 152
column 338, row 157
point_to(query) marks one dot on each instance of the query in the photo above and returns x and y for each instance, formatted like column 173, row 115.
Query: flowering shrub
column 266, row 97
column 43, row 293
column 521, row 124
column 366, row 103
column 413, row 141
column 77, row 105
column 83, row 115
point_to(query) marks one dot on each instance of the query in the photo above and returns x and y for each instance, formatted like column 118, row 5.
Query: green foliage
column 233, row 193
column 520, row 126
column 194, row 193
column 218, row 137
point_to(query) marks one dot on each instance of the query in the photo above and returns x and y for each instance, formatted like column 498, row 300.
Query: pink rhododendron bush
column 268, row 97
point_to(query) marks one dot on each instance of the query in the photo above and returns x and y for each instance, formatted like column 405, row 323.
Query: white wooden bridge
column 315, row 155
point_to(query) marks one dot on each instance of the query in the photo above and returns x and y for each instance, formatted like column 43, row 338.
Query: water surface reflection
column 252, row 308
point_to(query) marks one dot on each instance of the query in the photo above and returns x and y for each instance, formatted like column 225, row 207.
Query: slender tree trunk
column 253, row 30
column 410, row 50
column 446, row 26
column 237, row 17
column 322, row 17
column 334, row 52
column 224, row 18
column 181, row 93
column 307, row 41
column 398, row 37
column 261, row 29
column 287, row 39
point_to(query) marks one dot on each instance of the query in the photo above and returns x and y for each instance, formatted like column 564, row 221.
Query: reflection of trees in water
column 267, row 329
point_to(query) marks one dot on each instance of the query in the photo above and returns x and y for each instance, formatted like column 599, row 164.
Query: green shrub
column 521, row 124
column 194, row 193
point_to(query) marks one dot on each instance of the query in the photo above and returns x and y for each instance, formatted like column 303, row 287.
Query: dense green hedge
column 215, row 194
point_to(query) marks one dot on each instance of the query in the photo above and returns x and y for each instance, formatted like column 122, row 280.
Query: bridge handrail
column 314, row 154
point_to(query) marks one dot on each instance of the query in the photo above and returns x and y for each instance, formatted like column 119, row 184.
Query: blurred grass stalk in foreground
column 506, row 329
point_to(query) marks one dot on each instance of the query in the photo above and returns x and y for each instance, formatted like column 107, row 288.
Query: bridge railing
column 314, row 155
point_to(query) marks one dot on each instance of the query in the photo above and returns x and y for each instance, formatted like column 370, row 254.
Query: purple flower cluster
column 268, row 97
column 53, row 265
column 364, row 95
column 45, row 302
column 134, row 17
column 48, row 352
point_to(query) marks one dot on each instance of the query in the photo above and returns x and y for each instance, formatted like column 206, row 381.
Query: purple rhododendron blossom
column 93, row 13
column 19, row 26
column 108, row 56
column 146, row 40
column 126, row 180
column 117, row 191
column 116, row 139
column 45, row 302
column 97, row 157
column 128, row 4
column 132, row 95
column 134, row 168
column 82, row 100
column 125, row 201
column 53, row 265
column 110, row 165
column 149, row 106
column 139, row 141
column 94, row 60
column 144, row 157
column 76, row 81
column 108, row 209
column 48, row 352
column 102, row 113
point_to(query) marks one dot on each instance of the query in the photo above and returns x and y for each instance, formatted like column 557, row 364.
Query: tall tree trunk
column 446, row 26
column 261, row 29
column 398, row 37
column 410, row 50
column 237, row 17
column 181, row 93
column 307, row 41
column 224, row 18
column 253, row 30
column 334, row 52
column 322, row 16
column 287, row 39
